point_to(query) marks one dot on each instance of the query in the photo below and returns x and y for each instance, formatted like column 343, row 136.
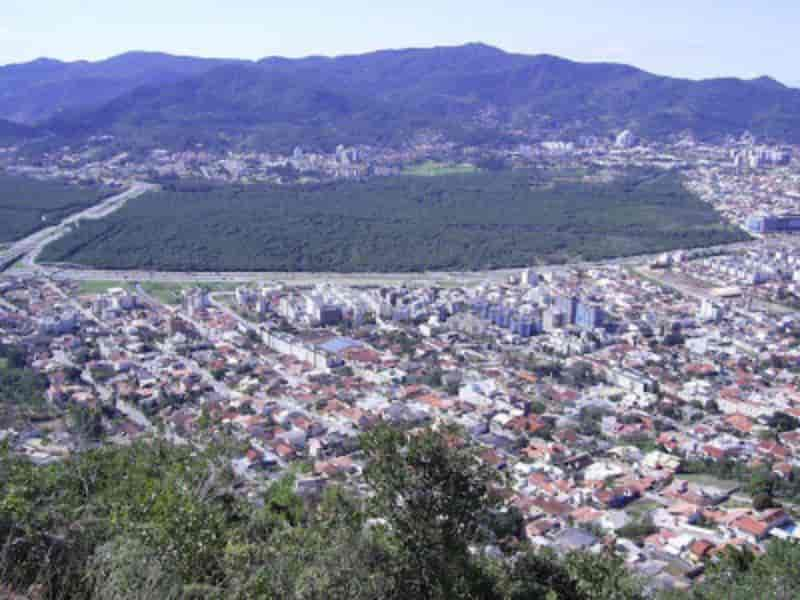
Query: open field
column 709, row 480
column 641, row 507
column 398, row 224
column 88, row 288
column 172, row 293
column 434, row 169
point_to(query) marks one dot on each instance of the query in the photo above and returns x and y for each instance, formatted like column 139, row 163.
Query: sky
column 684, row 38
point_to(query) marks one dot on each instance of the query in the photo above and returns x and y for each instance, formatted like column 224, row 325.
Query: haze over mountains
column 473, row 93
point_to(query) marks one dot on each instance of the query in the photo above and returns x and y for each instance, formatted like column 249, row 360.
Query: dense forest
column 158, row 521
column 455, row 222
column 27, row 205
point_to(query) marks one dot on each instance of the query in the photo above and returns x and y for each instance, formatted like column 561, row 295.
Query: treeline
column 157, row 521
column 27, row 205
column 757, row 480
column 458, row 222
column 22, row 390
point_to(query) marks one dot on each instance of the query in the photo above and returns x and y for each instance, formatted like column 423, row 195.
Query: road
column 218, row 386
column 684, row 284
column 29, row 248
column 347, row 279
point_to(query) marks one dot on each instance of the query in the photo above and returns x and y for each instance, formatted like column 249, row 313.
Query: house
column 756, row 527
column 572, row 539
column 700, row 550
column 616, row 497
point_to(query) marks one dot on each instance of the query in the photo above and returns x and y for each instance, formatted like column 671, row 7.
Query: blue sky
column 688, row 38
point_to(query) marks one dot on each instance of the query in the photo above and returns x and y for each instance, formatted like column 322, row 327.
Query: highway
column 27, row 251
column 312, row 278
column 29, row 248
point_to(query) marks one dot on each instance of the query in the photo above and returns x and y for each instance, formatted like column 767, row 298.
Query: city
column 631, row 403
column 314, row 301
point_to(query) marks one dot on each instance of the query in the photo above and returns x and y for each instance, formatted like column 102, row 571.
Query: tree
column 86, row 422
column 602, row 577
column 741, row 575
column 783, row 422
column 435, row 499
column 158, row 521
column 761, row 482
column 763, row 501
column 637, row 530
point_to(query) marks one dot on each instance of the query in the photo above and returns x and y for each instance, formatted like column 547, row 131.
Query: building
column 529, row 278
column 568, row 306
column 626, row 139
column 709, row 311
column 329, row 314
column 773, row 223
column 589, row 316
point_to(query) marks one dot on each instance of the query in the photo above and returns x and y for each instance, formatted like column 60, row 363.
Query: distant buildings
column 626, row 139
column 773, row 223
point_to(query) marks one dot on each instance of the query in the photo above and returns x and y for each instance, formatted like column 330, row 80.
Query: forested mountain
column 10, row 132
column 473, row 92
column 33, row 92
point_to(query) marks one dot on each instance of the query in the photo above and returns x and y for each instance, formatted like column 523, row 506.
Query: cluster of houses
column 611, row 430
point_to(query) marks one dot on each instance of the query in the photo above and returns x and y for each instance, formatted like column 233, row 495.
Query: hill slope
column 35, row 91
column 470, row 93
column 14, row 132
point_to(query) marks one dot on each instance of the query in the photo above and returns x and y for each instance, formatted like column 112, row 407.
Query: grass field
column 87, row 288
column 172, row 293
column 709, row 480
column 168, row 293
column 434, row 169
column 640, row 508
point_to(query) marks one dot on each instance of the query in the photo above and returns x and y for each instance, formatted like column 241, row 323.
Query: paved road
column 352, row 279
column 220, row 387
column 29, row 248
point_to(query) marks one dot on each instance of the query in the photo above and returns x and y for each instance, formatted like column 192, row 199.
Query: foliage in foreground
column 157, row 521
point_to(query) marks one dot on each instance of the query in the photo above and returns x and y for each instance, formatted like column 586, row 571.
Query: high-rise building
column 529, row 278
column 589, row 316
column 626, row 139
column 567, row 305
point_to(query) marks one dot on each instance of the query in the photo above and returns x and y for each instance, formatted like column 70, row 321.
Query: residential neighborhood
column 650, row 408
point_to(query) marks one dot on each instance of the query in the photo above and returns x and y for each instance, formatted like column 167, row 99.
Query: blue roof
column 339, row 344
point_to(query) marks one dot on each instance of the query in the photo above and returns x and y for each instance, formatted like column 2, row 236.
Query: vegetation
column 27, row 205
column 157, row 521
column 455, row 222
column 22, row 390
column 387, row 98
column 172, row 293
column 758, row 481
column 741, row 575
column 88, row 288
column 433, row 169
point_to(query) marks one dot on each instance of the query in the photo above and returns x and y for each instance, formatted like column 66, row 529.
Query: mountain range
column 473, row 93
